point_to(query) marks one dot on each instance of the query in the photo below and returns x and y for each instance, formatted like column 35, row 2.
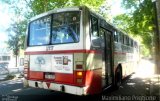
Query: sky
column 4, row 23
column 5, row 17
column 116, row 8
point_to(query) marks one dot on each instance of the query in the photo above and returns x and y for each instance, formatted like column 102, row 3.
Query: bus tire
column 118, row 78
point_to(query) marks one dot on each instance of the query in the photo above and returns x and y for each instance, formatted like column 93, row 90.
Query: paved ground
column 135, row 88
column 142, row 86
column 13, row 90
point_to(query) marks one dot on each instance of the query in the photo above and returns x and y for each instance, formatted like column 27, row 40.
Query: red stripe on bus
column 62, row 51
column 91, row 79
column 60, row 77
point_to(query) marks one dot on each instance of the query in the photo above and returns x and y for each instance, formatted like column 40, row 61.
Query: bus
column 76, row 51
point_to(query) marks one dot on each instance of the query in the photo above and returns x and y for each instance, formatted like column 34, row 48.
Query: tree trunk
column 157, row 36
column 16, row 60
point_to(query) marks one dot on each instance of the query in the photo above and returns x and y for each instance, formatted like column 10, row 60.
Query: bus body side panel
column 124, row 56
column 93, row 65
column 94, row 73
column 93, row 81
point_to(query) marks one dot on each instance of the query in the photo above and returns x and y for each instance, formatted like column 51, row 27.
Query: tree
column 141, row 21
column 16, row 31
column 157, row 23
column 40, row 6
column 16, row 37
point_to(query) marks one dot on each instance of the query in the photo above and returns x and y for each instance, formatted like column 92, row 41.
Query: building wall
column 7, row 56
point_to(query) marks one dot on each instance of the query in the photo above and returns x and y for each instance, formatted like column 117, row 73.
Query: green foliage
column 144, row 51
column 16, row 36
column 138, row 21
column 124, row 22
column 40, row 6
column 17, row 28
column 128, row 4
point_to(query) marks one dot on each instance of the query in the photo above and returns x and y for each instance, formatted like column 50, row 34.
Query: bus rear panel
column 55, row 55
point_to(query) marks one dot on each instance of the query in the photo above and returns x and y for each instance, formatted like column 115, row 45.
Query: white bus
column 76, row 51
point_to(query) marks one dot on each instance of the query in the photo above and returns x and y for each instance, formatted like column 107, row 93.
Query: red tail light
column 79, row 81
column 79, row 74
column 80, row 77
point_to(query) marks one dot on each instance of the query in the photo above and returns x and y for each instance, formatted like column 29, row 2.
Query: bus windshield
column 58, row 28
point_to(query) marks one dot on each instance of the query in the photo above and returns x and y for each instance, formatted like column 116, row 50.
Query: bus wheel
column 118, row 78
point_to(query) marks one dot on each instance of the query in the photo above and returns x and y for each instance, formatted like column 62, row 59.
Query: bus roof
column 75, row 8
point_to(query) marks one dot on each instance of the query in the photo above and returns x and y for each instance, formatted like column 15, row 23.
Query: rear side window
column 39, row 32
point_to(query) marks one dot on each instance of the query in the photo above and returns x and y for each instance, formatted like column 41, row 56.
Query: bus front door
column 106, row 57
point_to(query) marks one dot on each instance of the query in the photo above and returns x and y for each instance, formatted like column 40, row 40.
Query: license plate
column 49, row 76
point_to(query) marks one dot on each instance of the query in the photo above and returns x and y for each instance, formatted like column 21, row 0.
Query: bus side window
column 129, row 42
column 95, row 40
column 101, row 35
column 117, row 37
column 122, row 41
column 121, row 38
column 125, row 39
column 94, row 27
